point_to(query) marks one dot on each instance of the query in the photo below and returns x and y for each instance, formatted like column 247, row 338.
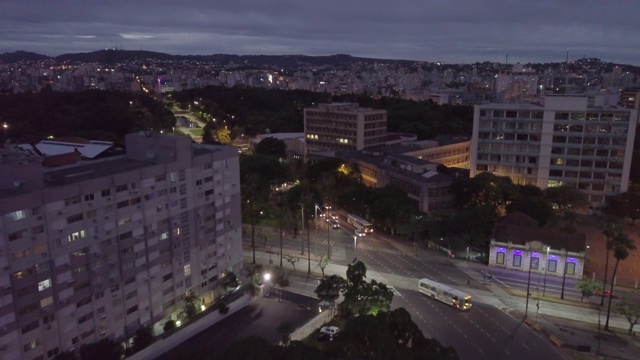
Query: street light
column 544, row 283
column 355, row 244
column 301, row 232
column 266, row 277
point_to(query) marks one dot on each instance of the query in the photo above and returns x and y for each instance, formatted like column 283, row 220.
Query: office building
column 565, row 141
column 344, row 126
column 100, row 248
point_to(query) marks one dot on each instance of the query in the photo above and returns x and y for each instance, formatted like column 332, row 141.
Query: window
column 132, row 309
column 571, row 268
column 535, row 263
column 32, row 345
column 46, row 301
column 500, row 258
column 187, row 270
column 75, row 218
column 89, row 197
column 76, row 235
column 105, row 192
column 553, row 264
column 122, row 204
column 72, row 200
column 16, row 215
column 517, row 260
column 31, row 326
column 121, row 188
column 44, row 284
column 167, row 277
column 17, row 235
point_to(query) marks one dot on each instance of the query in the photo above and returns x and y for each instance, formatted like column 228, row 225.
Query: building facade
column 344, row 127
column 98, row 249
column 564, row 141
column 518, row 243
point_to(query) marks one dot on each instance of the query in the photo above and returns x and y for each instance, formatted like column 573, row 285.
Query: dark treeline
column 92, row 114
column 252, row 111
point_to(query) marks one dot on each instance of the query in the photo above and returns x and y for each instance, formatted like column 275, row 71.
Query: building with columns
column 518, row 243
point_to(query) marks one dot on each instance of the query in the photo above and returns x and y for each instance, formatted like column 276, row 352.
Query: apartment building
column 97, row 249
column 568, row 140
column 343, row 127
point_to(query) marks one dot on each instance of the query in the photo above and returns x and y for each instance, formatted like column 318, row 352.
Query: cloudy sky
column 454, row 31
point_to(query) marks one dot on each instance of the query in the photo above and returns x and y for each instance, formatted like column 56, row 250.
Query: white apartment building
column 98, row 249
column 567, row 140
column 344, row 126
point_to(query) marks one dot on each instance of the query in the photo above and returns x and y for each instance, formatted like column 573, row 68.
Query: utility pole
column 328, row 240
column 253, row 231
column 526, row 308
column 308, row 249
column 302, row 229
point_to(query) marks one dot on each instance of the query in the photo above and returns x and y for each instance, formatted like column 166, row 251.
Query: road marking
column 523, row 344
column 395, row 292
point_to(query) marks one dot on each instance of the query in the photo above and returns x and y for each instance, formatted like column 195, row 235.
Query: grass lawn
column 197, row 132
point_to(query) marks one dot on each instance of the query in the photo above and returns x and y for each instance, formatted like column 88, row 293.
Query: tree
column 143, row 338
column 629, row 307
column 282, row 281
column 191, row 308
column 169, row 325
column 330, row 287
column 364, row 337
column 254, row 280
column 622, row 245
column 362, row 297
column 223, row 135
column 399, row 323
column 285, row 329
column 565, row 197
column 587, row 288
column 568, row 226
column 625, row 205
column 323, row 261
column 271, row 146
column 292, row 260
column 105, row 349
column 610, row 226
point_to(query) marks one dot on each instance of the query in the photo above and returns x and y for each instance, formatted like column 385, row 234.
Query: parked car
column 324, row 337
column 331, row 330
column 607, row 293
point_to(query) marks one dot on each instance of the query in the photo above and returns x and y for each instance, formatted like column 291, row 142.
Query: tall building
column 564, row 141
column 97, row 249
column 344, row 126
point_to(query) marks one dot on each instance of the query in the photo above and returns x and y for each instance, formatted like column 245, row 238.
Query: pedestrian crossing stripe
column 395, row 292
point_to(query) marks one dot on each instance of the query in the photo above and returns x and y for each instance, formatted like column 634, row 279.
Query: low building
column 518, row 243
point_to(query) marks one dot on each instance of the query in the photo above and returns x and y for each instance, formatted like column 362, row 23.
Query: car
column 323, row 215
column 334, row 216
column 324, row 337
column 360, row 233
column 330, row 330
column 334, row 224
column 607, row 293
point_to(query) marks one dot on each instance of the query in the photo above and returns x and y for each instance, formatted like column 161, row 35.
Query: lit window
column 187, row 270
column 16, row 215
column 44, row 284
column 46, row 301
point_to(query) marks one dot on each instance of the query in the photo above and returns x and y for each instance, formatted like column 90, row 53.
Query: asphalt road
column 484, row 332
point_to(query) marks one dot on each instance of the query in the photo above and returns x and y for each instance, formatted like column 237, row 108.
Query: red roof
column 61, row 159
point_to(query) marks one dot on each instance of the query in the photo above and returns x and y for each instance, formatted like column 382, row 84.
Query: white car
column 331, row 330
column 360, row 233
column 334, row 216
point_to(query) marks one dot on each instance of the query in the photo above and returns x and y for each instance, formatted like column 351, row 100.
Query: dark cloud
column 431, row 30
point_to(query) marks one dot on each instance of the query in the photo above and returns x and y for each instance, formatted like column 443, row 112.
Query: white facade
column 563, row 142
column 101, row 248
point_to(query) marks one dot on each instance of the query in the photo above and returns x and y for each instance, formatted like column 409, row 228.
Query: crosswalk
column 319, row 242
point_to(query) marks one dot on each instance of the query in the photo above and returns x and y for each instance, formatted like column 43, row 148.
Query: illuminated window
column 46, row 301
column 517, row 260
column 44, row 284
column 500, row 258
column 164, row 236
column 16, row 215
column 553, row 264
column 535, row 262
column 76, row 235
column 571, row 268
column 187, row 270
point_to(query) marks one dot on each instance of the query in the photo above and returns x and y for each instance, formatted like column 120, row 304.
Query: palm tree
column 254, row 280
column 569, row 221
column 609, row 230
column 622, row 245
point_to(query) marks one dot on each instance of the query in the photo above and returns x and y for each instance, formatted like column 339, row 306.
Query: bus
column 445, row 294
column 360, row 223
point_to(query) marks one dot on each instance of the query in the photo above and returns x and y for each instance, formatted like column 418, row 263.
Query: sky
column 452, row 31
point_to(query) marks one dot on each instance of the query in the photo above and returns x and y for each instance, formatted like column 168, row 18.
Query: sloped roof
column 519, row 228
column 87, row 148
column 61, row 159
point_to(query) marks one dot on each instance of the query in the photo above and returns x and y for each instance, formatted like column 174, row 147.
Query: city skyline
column 454, row 32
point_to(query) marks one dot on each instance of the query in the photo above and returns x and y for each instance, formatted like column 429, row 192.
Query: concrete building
column 518, row 243
column 564, row 141
column 343, row 127
column 97, row 249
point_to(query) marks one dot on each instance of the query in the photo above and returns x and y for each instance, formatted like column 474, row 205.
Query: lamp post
column 302, row 218
column 526, row 308
column 355, row 245
column 253, row 231
column 544, row 283
column 308, row 249
column 267, row 277
column 328, row 240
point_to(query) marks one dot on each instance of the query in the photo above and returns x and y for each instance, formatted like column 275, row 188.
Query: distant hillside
column 17, row 56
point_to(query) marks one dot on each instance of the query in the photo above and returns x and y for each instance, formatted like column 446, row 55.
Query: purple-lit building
column 518, row 243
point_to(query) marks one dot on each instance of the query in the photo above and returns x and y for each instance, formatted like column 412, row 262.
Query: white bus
column 444, row 293
column 360, row 223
